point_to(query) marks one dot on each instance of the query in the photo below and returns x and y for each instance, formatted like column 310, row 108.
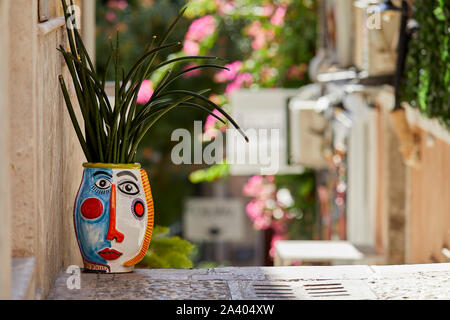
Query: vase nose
column 113, row 233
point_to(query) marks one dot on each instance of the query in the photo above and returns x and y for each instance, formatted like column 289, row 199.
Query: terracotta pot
column 113, row 216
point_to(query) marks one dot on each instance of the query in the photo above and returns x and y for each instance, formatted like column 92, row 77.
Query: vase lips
column 109, row 254
column 99, row 165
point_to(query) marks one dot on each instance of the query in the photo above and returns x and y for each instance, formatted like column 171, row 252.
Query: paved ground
column 430, row 281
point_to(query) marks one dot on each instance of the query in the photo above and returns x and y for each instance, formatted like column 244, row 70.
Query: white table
column 316, row 251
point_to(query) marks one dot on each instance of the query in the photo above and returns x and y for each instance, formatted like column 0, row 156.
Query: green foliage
column 427, row 79
column 113, row 134
column 302, row 188
column 167, row 252
column 210, row 174
column 293, row 46
column 137, row 23
column 280, row 63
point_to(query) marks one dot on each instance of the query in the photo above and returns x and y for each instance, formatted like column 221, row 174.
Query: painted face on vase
column 113, row 217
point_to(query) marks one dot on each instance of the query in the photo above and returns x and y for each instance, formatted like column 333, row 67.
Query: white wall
column 39, row 151
column 362, row 176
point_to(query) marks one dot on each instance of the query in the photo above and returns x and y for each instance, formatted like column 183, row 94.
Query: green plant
column 426, row 81
column 210, row 174
column 113, row 134
column 302, row 188
column 167, row 252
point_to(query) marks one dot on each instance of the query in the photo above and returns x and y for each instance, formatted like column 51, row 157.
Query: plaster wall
column 44, row 155
column 5, row 212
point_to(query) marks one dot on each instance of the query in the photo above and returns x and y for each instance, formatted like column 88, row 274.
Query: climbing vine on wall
column 427, row 77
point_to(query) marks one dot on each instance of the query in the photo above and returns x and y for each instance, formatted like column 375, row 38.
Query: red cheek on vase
column 138, row 209
column 91, row 208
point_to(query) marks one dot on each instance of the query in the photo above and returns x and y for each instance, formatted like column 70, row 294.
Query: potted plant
column 113, row 210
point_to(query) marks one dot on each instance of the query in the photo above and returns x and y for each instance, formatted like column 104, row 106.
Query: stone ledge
column 50, row 25
column 23, row 273
column 430, row 281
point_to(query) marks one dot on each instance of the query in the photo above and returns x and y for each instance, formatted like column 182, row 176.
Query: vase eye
column 103, row 183
column 92, row 208
column 129, row 188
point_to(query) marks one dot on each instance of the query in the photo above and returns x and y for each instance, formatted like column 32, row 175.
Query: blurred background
column 267, row 44
column 332, row 74
column 358, row 91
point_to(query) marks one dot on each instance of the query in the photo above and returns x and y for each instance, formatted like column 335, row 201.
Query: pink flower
column 278, row 17
column 255, row 28
column 210, row 125
column 241, row 80
column 201, row 28
column 297, row 72
column 145, row 92
column 235, row 85
column 254, row 209
column 118, row 4
column 192, row 73
column 225, row 75
column 110, row 16
column 256, row 212
column 211, row 121
column 259, row 42
column 279, row 227
column 267, row 10
column 262, row 223
column 191, row 47
column 224, row 6
column 268, row 191
column 258, row 180
column 275, row 239
column 263, row 210
column 253, row 187
column 267, row 73
column 259, row 34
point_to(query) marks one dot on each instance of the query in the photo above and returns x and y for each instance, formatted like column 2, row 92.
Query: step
column 354, row 282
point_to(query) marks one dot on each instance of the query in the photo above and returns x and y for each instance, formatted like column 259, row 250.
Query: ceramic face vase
column 113, row 216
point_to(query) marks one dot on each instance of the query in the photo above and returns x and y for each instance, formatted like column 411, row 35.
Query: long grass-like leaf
column 141, row 135
column 74, row 120
column 179, row 59
column 199, row 96
column 113, row 134
column 172, row 25
column 175, row 77
column 156, row 110
column 135, row 67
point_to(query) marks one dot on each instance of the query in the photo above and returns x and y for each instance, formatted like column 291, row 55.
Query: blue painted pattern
column 91, row 233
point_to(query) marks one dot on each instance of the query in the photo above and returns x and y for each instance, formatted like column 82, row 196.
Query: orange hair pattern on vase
column 150, row 222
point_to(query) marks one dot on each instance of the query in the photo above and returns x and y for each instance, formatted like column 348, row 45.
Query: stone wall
column 5, row 214
column 45, row 157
